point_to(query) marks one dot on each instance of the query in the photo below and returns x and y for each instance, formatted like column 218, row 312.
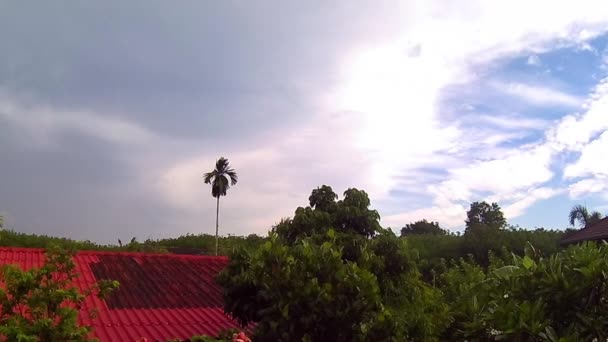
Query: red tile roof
column 161, row 296
column 597, row 231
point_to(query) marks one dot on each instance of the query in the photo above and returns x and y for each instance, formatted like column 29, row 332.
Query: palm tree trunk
column 217, row 225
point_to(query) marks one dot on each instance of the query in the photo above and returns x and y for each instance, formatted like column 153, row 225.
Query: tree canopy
column 422, row 227
column 332, row 273
column 484, row 214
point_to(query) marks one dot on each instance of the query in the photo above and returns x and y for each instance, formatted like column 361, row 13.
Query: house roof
column 597, row 231
column 161, row 296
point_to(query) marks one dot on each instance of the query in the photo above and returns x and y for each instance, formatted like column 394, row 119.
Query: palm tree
column 581, row 214
column 218, row 178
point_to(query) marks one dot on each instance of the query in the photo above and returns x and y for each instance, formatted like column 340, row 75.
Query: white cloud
column 588, row 186
column 529, row 198
column 592, row 160
column 533, row 60
column 513, row 122
column 539, row 95
column 573, row 132
column 449, row 216
column 520, row 169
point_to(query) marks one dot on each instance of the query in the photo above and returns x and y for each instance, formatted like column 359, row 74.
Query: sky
column 111, row 111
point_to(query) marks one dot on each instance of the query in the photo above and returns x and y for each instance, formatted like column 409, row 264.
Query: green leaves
column 527, row 262
column 41, row 304
column 558, row 298
column 333, row 286
column 506, row 271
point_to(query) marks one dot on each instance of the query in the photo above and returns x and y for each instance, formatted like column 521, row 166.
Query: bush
column 561, row 297
column 42, row 304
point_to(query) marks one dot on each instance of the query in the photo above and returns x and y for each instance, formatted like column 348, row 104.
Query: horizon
column 110, row 113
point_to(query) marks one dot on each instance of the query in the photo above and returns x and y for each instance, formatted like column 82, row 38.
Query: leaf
column 505, row 271
column 550, row 334
column 527, row 262
column 267, row 245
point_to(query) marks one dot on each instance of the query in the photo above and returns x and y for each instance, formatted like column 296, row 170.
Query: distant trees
column 220, row 178
column 422, row 227
column 579, row 214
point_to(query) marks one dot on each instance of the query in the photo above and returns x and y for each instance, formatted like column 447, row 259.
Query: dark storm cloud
column 177, row 67
column 212, row 74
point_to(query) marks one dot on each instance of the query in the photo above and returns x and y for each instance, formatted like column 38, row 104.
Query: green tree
column 221, row 178
column 335, row 276
column 484, row 214
column 351, row 215
column 323, row 198
column 483, row 231
column 42, row 304
column 422, row 227
column 580, row 214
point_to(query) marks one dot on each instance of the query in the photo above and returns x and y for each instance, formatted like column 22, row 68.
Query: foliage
column 221, row 178
column 580, row 214
column 350, row 216
column 422, row 227
column 42, row 304
column 478, row 244
column 534, row 297
column 11, row 238
column 190, row 243
column 484, row 214
column 332, row 273
column 323, row 199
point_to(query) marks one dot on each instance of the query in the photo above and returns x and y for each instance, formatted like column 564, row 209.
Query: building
column 595, row 232
column 161, row 296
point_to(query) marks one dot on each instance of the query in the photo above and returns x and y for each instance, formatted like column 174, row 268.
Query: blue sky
column 111, row 112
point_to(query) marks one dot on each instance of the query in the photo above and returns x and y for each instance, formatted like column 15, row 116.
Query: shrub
column 42, row 304
column 561, row 297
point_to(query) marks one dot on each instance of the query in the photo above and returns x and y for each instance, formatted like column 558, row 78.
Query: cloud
column 533, row 60
column 513, row 122
column 592, row 160
column 450, row 217
column 588, row 186
column 574, row 131
column 529, row 198
column 539, row 95
column 292, row 104
column 44, row 122
column 520, row 169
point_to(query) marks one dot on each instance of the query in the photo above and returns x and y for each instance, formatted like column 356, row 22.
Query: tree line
column 331, row 272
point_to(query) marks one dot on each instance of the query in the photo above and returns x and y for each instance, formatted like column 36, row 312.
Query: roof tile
column 161, row 296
